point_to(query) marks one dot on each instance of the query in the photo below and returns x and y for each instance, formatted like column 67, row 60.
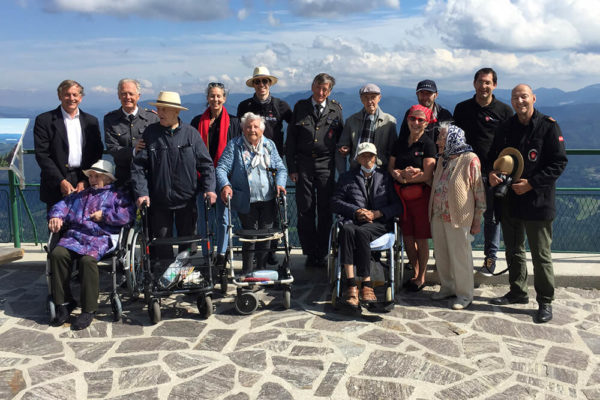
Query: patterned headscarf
column 455, row 144
column 428, row 113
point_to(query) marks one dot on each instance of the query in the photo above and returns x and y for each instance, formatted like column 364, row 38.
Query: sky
column 181, row 45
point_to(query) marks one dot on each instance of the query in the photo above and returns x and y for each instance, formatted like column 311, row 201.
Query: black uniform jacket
column 542, row 146
column 52, row 150
column 311, row 141
column 120, row 135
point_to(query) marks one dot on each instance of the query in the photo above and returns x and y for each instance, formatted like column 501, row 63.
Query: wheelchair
column 392, row 269
column 120, row 251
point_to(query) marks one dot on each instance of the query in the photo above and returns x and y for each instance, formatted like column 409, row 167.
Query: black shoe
column 488, row 267
column 544, row 313
column 62, row 315
column 83, row 321
column 271, row 259
column 507, row 299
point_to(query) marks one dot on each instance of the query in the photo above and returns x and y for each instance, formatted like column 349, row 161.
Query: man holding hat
column 528, row 208
column 367, row 203
column 369, row 125
column 91, row 217
column 169, row 172
column 427, row 94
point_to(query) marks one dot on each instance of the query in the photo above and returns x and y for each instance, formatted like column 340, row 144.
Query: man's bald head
column 522, row 100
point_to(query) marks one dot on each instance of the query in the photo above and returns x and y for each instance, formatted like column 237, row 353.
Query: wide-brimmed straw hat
column 102, row 167
column 261, row 72
column 168, row 100
column 510, row 162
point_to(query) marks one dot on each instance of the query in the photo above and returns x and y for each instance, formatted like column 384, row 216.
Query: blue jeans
column 491, row 230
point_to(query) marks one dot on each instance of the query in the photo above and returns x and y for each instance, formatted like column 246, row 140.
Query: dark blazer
column 52, row 150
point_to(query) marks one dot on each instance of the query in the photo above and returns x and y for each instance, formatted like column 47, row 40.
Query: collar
column 259, row 101
column 134, row 113
column 66, row 114
column 314, row 103
column 373, row 117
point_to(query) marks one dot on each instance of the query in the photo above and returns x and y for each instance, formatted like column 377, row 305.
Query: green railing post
column 12, row 193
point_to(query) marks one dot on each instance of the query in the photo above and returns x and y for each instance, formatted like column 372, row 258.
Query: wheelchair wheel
column 246, row 303
column 205, row 306
column 117, row 308
column 134, row 272
column 287, row 297
column 154, row 311
column 51, row 307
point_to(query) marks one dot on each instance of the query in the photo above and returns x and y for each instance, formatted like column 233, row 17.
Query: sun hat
column 510, row 162
column 261, row 72
column 366, row 147
column 102, row 167
column 168, row 100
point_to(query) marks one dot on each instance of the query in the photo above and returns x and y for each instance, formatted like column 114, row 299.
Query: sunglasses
column 420, row 120
column 264, row 81
column 216, row 84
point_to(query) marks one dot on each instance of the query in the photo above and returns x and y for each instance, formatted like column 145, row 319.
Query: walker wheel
column 287, row 297
column 51, row 307
column 205, row 306
column 224, row 281
column 388, row 294
column 246, row 303
column 154, row 311
column 117, row 308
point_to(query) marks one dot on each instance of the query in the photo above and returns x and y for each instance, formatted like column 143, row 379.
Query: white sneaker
column 442, row 294
column 461, row 303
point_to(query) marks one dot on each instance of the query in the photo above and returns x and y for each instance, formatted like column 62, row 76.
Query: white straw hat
column 169, row 100
column 261, row 72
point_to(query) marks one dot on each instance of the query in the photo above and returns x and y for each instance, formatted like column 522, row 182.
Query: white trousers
column 453, row 258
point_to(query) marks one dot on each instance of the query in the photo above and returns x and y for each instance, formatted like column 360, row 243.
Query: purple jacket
column 83, row 235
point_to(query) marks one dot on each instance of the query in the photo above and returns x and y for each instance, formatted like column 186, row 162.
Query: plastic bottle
column 171, row 276
column 263, row 275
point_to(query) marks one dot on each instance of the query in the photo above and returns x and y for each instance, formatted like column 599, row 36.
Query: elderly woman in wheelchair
column 87, row 220
column 367, row 204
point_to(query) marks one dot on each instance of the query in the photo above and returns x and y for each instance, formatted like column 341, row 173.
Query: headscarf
column 428, row 113
column 455, row 144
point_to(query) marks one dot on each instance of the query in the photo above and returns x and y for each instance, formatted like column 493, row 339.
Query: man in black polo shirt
column 479, row 117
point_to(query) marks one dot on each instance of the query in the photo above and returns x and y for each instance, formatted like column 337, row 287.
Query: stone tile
column 238, row 396
column 299, row 372
column 248, row 379
column 149, row 344
column 382, row 338
column 522, row 349
column 213, row 384
column 392, row 325
column 129, row 361
column 6, row 362
column 348, row 348
column 591, row 394
column 305, row 336
column 90, row 351
column 443, row 328
column 394, row 365
column 369, row 389
column 543, row 370
column 444, row 347
column 251, row 359
column 180, row 361
column 50, row 370
column 408, row 313
column 491, row 363
column 548, row 386
column 418, row 329
column 475, row 345
column 126, row 328
column 595, row 317
column 334, row 374
column 57, row 390
column 294, row 324
column 503, row 327
column 254, row 338
column 140, row 377
column 29, row 343
column 567, row 358
column 181, row 329
column 148, row 394
column 276, row 346
column 332, row 324
column 32, row 323
column 99, row 383
column 463, row 369
column 310, row 351
column 230, row 318
column 98, row 329
column 592, row 341
column 472, row 388
column 11, row 383
column 215, row 339
column 188, row 374
column 453, row 316
column 274, row 391
column 267, row 317
column 594, row 377
column 515, row 392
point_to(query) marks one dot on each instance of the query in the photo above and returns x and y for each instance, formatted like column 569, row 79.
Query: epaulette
column 336, row 103
column 550, row 119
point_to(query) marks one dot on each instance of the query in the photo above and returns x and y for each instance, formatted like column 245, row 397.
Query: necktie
column 318, row 109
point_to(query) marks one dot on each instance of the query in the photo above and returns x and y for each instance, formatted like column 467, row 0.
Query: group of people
column 438, row 174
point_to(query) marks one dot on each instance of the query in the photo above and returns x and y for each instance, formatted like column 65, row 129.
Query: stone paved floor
column 420, row 350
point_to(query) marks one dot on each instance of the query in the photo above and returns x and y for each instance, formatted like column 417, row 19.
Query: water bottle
column 263, row 275
column 171, row 276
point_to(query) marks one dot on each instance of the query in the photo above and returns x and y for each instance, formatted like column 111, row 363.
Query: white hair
column 249, row 117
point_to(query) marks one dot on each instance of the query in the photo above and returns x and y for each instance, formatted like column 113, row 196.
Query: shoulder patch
column 550, row 119
column 336, row 103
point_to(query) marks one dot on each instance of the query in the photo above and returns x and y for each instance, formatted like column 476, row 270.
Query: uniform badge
column 330, row 134
column 532, row 155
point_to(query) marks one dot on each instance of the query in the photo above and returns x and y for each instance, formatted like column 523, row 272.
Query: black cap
column 428, row 85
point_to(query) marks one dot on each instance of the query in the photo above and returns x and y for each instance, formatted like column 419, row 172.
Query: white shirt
column 314, row 103
column 134, row 113
column 73, row 126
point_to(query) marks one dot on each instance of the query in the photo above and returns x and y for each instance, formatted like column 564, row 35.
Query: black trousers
column 260, row 216
column 161, row 221
column 313, row 196
column 61, row 264
column 355, row 244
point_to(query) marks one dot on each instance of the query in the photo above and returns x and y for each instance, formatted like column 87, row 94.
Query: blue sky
column 184, row 44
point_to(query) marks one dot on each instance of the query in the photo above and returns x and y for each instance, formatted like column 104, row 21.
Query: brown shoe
column 351, row 296
column 367, row 294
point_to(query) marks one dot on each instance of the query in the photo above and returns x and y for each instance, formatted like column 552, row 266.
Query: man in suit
column 66, row 141
column 313, row 132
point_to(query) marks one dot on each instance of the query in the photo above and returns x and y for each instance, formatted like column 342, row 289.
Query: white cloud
column 517, row 25
column 242, row 14
column 102, row 89
column 272, row 20
column 187, row 10
column 336, row 8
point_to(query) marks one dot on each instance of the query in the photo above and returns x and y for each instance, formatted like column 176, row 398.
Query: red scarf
column 223, row 128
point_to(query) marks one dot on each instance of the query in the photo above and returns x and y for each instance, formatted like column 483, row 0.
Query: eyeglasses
column 216, row 84
column 416, row 119
column 264, row 81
